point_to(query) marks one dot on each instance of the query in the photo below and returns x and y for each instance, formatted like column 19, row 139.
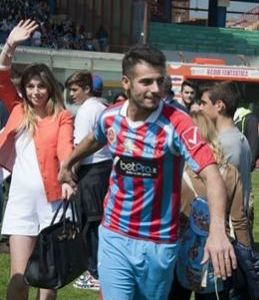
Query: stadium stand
column 55, row 31
column 60, row 32
column 203, row 39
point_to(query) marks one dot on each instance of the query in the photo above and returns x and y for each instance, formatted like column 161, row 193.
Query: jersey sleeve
column 188, row 142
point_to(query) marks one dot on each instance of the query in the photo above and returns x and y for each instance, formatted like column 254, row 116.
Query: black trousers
column 93, row 181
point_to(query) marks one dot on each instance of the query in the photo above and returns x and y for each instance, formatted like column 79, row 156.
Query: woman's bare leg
column 20, row 250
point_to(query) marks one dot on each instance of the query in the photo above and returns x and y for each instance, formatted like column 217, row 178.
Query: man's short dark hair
column 190, row 84
column 227, row 92
column 142, row 53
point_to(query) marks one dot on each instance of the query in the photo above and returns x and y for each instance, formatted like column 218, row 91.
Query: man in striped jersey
column 149, row 141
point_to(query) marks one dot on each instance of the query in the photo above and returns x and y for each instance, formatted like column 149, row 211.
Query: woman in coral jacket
column 37, row 138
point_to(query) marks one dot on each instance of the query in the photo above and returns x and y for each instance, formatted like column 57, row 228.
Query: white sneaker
column 87, row 281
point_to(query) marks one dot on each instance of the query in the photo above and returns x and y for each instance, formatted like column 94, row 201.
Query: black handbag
column 60, row 253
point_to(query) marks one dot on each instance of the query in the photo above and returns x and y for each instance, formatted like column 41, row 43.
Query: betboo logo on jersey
column 191, row 137
column 128, row 166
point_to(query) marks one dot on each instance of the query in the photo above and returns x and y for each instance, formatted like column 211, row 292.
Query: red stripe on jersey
column 176, row 195
column 138, row 186
column 107, row 197
column 116, row 211
column 135, row 218
column 120, row 195
column 109, row 121
column 120, row 138
column 158, row 192
column 156, row 209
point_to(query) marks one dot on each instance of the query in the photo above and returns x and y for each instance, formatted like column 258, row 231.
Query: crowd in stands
column 55, row 33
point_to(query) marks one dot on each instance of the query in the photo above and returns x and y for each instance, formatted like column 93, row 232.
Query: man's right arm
column 86, row 147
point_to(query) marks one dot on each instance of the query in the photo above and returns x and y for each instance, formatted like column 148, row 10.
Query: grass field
column 66, row 293
column 70, row 293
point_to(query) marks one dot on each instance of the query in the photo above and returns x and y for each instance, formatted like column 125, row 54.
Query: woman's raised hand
column 21, row 32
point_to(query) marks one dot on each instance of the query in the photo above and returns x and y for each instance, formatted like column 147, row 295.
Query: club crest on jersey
column 191, row 137
column 111, row 135
column 129, row 145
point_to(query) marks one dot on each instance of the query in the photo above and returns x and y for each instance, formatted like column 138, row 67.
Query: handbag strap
column 71, row 202
column 65, row 204
column 56, row 213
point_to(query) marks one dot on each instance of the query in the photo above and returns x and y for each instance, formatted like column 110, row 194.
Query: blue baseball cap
column 97, row 84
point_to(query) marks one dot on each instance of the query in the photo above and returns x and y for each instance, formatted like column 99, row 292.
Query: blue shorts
column 134, row 269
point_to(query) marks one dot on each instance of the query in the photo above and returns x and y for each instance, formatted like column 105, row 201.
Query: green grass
column 4, row 267
column 66, row 293
column 70, row 293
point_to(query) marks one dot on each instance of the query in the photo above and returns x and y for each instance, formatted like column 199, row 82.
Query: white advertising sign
column 225, row 72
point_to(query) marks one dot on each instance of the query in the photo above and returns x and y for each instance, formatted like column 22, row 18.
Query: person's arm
column 86, row 147
column 21, row 32
column 218, row 246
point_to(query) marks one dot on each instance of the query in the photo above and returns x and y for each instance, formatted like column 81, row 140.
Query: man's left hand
column 221, row 252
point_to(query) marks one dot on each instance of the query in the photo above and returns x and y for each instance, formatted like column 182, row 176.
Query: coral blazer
column 53, row 138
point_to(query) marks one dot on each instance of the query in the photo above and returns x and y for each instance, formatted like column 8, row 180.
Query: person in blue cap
column 98, row 89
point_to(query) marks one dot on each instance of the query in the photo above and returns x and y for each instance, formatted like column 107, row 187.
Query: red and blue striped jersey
column 143, row 199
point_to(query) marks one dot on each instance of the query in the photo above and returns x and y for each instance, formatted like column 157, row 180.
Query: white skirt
column 27, row 210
